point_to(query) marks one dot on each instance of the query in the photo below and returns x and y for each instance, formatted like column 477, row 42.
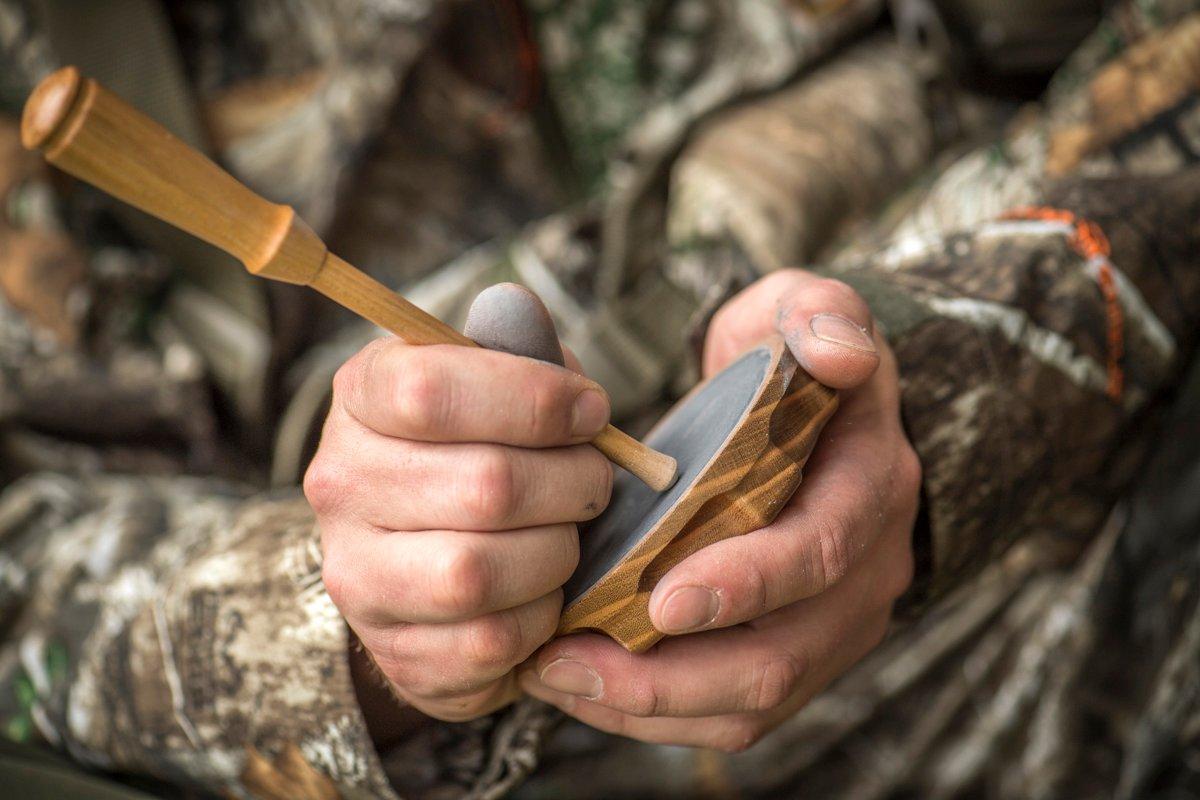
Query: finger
column 458, row 659
column 404, row 485
column 383, row 578
column 446, row 393
column 862, row 475
column 731, row 733
column 471, row 705
column 572, row 361
column 689, row 677
column 742, row 669
column 828, row 327
column 817, row 538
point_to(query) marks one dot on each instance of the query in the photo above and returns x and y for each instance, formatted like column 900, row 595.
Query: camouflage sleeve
column 1031, row 349
column 1042, row 295
column 1038, row 291
column 178, row 629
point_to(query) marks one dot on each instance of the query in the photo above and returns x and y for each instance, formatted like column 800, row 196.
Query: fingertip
column 533, row 686
column 691, row 596
column 842, row 332
column 686, row 609
column 833, row 348
column 590, row 413
column 836, row 366
column 830, row 330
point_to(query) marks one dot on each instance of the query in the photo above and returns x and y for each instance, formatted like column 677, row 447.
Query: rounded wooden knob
column 49, row 106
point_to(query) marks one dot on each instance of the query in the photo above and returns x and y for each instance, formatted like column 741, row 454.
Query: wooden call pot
column 741, row 439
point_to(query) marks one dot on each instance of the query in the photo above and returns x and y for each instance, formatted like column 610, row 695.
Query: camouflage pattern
column 629, row 79
column 290, row 97
column 70, row 366
column 783, row 174
column 175, row 626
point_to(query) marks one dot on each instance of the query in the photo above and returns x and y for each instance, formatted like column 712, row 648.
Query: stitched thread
column 1089, row 241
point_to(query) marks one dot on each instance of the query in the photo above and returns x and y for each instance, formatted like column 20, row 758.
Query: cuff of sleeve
column 261, row 698
column 234, row 675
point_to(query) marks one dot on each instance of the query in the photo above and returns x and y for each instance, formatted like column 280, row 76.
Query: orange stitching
column 1089, row 241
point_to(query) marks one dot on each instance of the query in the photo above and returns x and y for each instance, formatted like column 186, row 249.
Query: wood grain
column 743, row 487
column 87, row 131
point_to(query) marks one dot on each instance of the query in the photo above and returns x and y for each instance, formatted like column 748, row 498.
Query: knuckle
column 784, row 278
column 324, row 484
column 491, row 495
column 572, row 552
column 494, row 642
column 462, row 580
column 721, row 318
column 421, row 398
column 774, row 682
column 758, row 590
column 390, row 649
column 649, row 700
column 833, row 556
column 779, row 283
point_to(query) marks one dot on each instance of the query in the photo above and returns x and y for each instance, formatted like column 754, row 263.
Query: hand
column 447, row 487
column 786, row 609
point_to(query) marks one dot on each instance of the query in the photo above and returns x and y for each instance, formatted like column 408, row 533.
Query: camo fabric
column 1033, row 269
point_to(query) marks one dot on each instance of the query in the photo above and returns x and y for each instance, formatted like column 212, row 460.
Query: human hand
column 784, row 610
column 447, row 486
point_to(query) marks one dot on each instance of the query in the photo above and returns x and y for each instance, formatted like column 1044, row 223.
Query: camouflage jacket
column 635, row 164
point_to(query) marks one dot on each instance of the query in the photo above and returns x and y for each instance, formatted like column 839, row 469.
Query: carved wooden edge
column 742, row 489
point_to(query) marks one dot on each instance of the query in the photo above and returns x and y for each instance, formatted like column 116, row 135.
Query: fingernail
column 590, row 414
column 572, row 677
column 689, row 608
column 839, row 330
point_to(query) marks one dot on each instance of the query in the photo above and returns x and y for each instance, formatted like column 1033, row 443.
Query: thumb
column 830, row 331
